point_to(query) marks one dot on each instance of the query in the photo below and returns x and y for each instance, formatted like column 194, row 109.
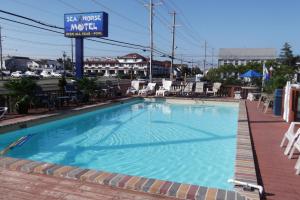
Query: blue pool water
column 187, row 143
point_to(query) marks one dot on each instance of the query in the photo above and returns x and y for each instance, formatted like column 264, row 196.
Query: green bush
column 23, row 92
column 276, row 82
column 22, row 106
column 88, row 87
column 62, row 82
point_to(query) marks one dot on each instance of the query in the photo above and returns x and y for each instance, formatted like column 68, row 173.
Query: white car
column 17, row 74
column 46, row 74
column 54, row 74
column 30, row 74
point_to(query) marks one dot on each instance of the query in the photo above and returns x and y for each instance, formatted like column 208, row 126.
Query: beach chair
column 3, row 111
column 164, row 89
column 215, row 89
column 296, row 146
column 188, row 90
column 199, row 88
column 135, row 86
column 290, row 135
column 150, row 89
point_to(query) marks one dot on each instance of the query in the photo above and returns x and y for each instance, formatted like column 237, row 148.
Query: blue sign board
column 92, row 24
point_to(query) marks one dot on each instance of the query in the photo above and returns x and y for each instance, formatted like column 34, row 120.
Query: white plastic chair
column 164, row 89
column 291, row 135
column 150, row 89
column 199, row 88
column 296, row 146
column 3, row 111
column 188, row 90
column 215, row 89
column 135, row 86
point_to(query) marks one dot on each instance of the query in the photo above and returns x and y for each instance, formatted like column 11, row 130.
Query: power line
column 125, row 44
column 119, row 14
column 36, row 42
column 30, row 19
column 36, row 8
column 61, row 28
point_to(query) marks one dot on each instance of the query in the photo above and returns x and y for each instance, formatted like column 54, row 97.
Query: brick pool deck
column 277, row 173
column 20, row 186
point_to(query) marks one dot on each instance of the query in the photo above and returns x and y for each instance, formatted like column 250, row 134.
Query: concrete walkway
column 277, row 171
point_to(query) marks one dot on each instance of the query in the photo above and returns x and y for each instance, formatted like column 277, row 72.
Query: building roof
column 133, row 56
column 247, row 53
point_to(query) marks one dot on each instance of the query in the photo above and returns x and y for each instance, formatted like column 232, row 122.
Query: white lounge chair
column 188, row 90
column 150, row 89
column 199, row 88
column 135, row 86
column 164, row 89
column 296, row 146
column 291, row 135
column 3, row 111
column 215, row 89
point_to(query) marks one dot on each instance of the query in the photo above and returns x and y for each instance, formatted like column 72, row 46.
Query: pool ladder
column 16, row 143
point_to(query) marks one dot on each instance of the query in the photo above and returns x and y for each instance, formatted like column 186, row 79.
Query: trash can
column 277, row 102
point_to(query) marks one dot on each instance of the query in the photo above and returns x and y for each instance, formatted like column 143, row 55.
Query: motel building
column 134, row 62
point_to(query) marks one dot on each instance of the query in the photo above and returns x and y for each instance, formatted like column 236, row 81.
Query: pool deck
column 20, row 186
column 277, row 173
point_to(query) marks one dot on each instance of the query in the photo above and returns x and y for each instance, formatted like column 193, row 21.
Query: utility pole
column 151, row 41
column 151, row 8
column 173, row 44
column 204, row 63
column 1, row 56
column 212, row 58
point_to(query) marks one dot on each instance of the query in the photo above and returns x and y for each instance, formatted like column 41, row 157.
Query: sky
column 223, row 24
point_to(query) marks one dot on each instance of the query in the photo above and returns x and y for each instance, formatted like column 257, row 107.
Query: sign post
column 81, row 25
column 79, row 57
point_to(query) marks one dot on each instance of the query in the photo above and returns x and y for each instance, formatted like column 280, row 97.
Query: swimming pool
column 187, row 143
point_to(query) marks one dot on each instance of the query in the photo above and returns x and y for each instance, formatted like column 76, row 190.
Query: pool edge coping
column 244, row 167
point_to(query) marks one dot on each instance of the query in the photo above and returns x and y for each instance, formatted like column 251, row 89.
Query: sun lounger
column 296, row 146
column 215, row 89
column 135, row 86
column 188, row 90
column 164, row 89
column 3, row 111
column 199, row 88
column 150, row 89
column 291, row 135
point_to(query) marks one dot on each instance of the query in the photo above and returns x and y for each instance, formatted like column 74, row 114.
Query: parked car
column 31, row 74
column 17, row 74
column 46, row 74
column 6, row 73
column 54, row 74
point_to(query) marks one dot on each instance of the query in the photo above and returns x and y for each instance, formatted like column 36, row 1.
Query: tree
column 286, row 55
column 68, row 63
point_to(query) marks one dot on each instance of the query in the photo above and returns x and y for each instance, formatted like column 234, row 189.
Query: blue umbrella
column 251, row 74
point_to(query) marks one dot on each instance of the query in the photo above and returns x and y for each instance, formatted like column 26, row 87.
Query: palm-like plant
column 22, row 90
column 87, row 86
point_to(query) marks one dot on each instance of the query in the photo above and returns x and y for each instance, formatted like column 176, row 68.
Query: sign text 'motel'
column 93, row 24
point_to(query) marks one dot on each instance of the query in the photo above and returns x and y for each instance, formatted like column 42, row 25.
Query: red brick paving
column 21, row 186
column 277, row 171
